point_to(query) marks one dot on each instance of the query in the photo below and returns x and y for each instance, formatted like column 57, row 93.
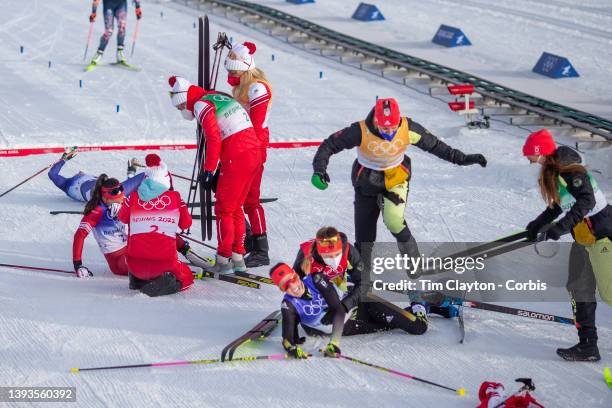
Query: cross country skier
column 317, row 304
column 154, row 214
column 253, row 91
column 100, row 216
column 382, row 170
column 569, row 189
column 113, row 9
column 80, row 186
column 232, row 142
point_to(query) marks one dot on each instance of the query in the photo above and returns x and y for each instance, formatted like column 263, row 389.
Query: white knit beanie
column 180, row 86
column 157, row 170
column 241, row 57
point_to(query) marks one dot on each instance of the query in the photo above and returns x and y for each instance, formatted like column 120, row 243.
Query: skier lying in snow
column 101, row 210
column 80, row 186
column 320, row 307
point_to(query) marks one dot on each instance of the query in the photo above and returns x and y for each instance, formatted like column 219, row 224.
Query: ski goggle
column 283, row 275
column 112, row 192
column 329, row 245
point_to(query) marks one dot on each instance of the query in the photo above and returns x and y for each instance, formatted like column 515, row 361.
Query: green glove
column 320, row 181
column 332, row 350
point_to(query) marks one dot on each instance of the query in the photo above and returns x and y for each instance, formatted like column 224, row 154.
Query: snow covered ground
column 508, row 37
column 52, row 322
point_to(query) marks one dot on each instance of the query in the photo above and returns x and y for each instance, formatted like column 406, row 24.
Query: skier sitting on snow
column 321, row 308
column 80, row 186
column 155, row 213
column 231, row 142
column 100, row 216
column 113, row 9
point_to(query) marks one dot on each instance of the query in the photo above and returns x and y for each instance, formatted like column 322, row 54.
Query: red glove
column 92, row 17
column 138, row 13
column 522, row 401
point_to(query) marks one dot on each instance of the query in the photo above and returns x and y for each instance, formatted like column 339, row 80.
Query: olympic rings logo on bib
column 220, row 98
column 313, row 309
column 159, row 203
column 385, row 148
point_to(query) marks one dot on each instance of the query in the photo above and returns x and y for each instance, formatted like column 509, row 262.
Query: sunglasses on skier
column 112, row 192
column 329, row 245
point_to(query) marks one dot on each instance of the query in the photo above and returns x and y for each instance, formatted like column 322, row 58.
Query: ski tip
column 461, row 391
column 74, row 370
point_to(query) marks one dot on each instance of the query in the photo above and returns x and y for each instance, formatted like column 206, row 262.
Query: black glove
column 207, row 179
column 533, row 228
column 554, row 232
column 77, row 264
column 475, row 159
column 215, row 181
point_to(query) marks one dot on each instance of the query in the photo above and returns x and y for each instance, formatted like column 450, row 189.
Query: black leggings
column 372, row 317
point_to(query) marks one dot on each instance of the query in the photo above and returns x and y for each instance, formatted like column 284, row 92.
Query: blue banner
column 367, row 12
column 300, row 1
column 450, row 37
column 554, row 66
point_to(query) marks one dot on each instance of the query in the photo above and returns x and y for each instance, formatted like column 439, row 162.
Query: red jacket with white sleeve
column 260, row 100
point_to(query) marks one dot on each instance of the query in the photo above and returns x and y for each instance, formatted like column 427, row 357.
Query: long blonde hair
column 549, row 178
column 241, row 92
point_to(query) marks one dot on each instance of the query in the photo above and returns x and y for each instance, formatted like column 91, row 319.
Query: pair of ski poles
column 459, row 391
column 90, row 32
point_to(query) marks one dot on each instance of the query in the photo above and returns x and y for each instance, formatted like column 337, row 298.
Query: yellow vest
column 387, row 156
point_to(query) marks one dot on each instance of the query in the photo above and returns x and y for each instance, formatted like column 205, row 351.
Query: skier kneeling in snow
column 155, row 213
column 321, row 308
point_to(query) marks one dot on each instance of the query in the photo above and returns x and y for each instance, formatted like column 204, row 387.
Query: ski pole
column 181, row 363
column 197, row 241
column 180, row 177
column 91, row 26
column 460, row 391
column 26, row 180
column 36, row 268
column 135, row 36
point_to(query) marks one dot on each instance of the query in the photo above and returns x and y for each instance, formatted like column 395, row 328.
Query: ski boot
column 121, row 56
column 586, row 350
column 69, row 153
column 166, row 284
column 205, row 263
column 442, row 305
column 259, row 254
column 136, row 283
column 95, row 60
column 238, row 264
column 222, row 265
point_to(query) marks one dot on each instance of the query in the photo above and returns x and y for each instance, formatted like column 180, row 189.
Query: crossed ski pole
column 181, row 363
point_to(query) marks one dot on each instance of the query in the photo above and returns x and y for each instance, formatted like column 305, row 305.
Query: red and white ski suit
column 110, row 236
column 153, row 226
column 232, row 141
column 260, row 100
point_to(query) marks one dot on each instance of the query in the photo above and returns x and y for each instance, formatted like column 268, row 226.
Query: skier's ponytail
column 549, row 177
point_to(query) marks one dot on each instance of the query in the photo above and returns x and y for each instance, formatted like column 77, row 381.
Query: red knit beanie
column 539, row 143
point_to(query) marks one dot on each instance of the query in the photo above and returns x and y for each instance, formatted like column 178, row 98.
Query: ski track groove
column 561, row 25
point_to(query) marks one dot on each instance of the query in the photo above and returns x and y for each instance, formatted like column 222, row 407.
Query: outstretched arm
column 425, row 140
column 346, row 138
column 88, row 223
column 334, row 304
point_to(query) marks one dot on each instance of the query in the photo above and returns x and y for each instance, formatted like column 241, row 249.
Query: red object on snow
column 461, row 89
column 539, row 143
column 459, row 106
